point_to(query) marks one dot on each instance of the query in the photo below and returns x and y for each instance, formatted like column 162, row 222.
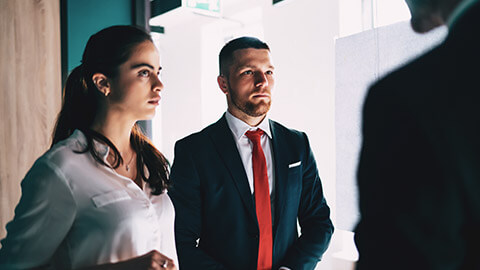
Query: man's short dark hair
column 226, row 54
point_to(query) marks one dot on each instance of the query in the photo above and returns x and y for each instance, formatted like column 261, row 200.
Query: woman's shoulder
column 57, row 165
column 66, row 152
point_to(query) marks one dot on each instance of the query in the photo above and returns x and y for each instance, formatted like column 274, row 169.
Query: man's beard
column 248, row 107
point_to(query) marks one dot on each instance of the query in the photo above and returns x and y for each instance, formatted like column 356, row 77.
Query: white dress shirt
column 245, row 147
column 75, row 212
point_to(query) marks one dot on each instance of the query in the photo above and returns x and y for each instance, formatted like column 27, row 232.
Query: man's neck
column 252, row 121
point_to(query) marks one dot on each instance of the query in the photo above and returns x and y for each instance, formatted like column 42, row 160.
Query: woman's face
column 135, row 91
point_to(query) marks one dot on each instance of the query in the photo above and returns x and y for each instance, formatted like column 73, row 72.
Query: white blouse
column 75, row 212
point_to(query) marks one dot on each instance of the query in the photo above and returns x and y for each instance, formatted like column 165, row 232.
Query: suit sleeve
column 42, row 219
column 186, row 197
column 313, row 217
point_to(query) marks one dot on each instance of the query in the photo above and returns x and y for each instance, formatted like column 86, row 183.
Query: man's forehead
column 251, row 56
column 251, row 51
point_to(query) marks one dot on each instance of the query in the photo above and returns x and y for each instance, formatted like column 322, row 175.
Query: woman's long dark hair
column 104, row 53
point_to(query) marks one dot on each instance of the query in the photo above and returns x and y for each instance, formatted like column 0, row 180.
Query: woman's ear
column 102, row 83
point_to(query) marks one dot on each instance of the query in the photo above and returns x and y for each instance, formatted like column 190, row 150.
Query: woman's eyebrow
column 144, row 65
column 141, row 65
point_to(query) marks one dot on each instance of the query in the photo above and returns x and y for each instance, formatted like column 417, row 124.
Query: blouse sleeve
column 42, row 218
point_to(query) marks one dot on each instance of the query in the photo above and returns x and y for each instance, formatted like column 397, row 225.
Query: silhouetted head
column 428, row 14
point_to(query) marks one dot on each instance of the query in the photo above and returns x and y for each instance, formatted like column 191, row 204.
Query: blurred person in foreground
column 97, row 198
column 419, row 171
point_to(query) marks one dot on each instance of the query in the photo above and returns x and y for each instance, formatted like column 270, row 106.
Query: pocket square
column 294, row 164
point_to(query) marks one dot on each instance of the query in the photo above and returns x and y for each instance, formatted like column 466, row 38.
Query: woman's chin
column 148, row 116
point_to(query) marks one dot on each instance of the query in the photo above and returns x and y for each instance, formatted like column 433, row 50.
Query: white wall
column 180, row 111
column 301, row 36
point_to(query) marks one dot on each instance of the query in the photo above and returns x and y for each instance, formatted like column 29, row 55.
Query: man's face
column 249, row 83
column 427, row 14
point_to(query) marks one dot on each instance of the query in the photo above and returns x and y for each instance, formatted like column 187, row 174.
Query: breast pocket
column 295, row 179
column 294, row 171
column 110, row 197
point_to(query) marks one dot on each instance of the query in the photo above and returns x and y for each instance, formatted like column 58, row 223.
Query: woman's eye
column 144, row 73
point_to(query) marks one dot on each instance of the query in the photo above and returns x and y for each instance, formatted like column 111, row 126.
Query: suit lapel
column 225, row 145
column 281, row 160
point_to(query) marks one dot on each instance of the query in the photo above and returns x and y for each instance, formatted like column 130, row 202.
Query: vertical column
column 30, row 84
column 368, row 14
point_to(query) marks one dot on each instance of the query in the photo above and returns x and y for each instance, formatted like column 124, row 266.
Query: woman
column 97, row 198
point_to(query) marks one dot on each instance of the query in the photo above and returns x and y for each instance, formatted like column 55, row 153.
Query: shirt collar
column 238, row 127
column 101, row 148
column 458, row 11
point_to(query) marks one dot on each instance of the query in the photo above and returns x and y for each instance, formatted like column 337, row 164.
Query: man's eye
column 269, row 72
column 144, row 73
column 247, row 72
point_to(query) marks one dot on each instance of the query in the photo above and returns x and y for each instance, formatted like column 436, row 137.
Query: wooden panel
column 30, row 91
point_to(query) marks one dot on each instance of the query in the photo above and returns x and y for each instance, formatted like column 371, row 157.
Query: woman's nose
column 157, row 84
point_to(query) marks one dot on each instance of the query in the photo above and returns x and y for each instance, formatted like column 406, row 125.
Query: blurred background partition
column 30, row 83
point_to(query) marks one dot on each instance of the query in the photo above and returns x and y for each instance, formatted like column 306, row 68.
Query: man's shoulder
column 289, row 134
column 278, row 127
column 204, row 134
column 415, row 73
column 415, row 82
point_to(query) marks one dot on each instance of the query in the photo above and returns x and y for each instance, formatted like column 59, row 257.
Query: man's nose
column 261, row 79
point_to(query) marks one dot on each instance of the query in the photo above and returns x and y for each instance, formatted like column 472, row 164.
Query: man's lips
column 261, row 95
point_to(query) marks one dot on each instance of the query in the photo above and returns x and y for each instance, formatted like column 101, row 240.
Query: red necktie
column 262, row 201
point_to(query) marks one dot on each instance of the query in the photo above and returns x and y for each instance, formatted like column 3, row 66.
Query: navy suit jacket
column 419, row 171
column 214, row 204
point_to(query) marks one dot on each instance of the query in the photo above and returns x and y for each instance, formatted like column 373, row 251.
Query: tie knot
column 254, row 136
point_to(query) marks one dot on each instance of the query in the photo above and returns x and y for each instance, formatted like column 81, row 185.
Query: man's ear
column 102, row 83
column 223, row 83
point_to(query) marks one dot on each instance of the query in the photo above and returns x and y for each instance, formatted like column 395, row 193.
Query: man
column 240, row 184
column 419, row 171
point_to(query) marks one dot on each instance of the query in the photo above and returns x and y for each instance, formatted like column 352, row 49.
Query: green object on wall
column 206, row 5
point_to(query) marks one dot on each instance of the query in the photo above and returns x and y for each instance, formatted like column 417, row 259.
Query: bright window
column 361, row 15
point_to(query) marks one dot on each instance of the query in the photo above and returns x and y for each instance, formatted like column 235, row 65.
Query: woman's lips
column 154, row 101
